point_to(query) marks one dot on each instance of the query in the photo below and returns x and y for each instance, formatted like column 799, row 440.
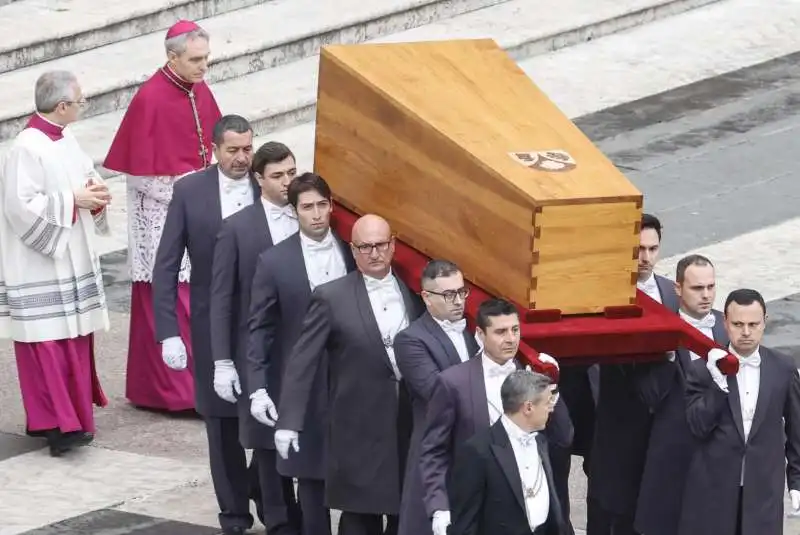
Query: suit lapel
column 720, row 335
column 504, row 453
column 451, row 354
column 477, row 385
column 667, row 290
column 256, row 190
column 472, row 344
column 212, row 201
column 347, row 254
column 368, row 317
column 260, row 227
column 735, row 404
column 296, row 264
column 769, row 376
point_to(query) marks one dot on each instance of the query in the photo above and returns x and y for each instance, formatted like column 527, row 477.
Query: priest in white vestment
column 52, row 299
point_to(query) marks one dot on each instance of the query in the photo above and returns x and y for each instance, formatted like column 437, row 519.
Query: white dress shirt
column 535, row 490
column 323, row 259
column 650, row 287
column 455, row 332
column 705, row 325
column 282, row 222
column 390, row 311
column 234, row 194
column 493, row 376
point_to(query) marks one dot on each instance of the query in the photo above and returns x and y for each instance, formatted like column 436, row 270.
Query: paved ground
column 716, row 161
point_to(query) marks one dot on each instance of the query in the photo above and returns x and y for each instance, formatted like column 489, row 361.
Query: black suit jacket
column 671, row 445
column 457, row 410
column 364, row 443
column 771, row 453
column 422, row 350
column 280, row 298
column 622, row 430
column 194, row 218
column 243, row 237
column 486, row 491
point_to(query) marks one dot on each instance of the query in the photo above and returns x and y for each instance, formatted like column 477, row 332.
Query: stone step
column 35, row 31
column 283, row 96
column 621, row 68
column 240, row 44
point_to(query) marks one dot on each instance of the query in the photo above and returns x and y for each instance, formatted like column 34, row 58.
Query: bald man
column 355, row 319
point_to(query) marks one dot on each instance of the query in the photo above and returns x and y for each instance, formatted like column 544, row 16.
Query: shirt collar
column 489, row 363
column 755, row 355
column 308, row 241
column 515, row 432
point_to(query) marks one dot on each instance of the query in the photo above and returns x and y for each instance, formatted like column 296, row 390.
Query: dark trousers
column 561, row 463
column 316, row 517
column 365, row 524
column 234, row 483
column 602, row 522
column 282, row 514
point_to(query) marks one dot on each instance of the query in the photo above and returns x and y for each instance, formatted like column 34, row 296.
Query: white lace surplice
column 148, row 199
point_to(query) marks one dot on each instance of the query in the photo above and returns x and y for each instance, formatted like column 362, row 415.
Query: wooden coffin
column 469, row 161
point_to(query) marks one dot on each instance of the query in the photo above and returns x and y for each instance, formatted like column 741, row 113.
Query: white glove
column 795, row 497
column 441, row 519
column 285, row 438
column 714, row 356
column 226, row 380
column 547, row 359
column 671, row 356
column 262, row 408
column 173, row 353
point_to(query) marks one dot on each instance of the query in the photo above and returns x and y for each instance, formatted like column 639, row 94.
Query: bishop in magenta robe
column 165, row 135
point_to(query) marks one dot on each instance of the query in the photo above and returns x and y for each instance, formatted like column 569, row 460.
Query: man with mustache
column 466, row 399
column 244, row 236
column 434, row 342
column 199, row 204
column 663, row 388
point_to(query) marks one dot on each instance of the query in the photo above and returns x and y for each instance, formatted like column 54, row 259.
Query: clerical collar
column 173, row 77
column 49, row 128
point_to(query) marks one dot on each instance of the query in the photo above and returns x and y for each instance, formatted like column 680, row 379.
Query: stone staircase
column 265, row 53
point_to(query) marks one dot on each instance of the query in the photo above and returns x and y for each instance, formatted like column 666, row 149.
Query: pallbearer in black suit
column 285, row 277
column 244, row 236
column 434, row 342
column 200, row 202
column 748, row 429
column 663, row 388
column 465, row 399
column 502, row 482
column 354, row 320
column 622, row 418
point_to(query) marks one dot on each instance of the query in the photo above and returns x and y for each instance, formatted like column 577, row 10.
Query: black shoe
column 77, row 439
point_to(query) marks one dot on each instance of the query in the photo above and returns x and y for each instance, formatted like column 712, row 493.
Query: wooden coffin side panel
column 381, row 158
column 585, row 256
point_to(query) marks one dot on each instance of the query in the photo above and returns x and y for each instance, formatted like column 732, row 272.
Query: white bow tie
column 502, row 371
column 286, row 211
column 707, row 322
column 386, row 283
column 325, row 245
column 754, row 361
column 527, row 440
column 229, row 185
column 649, row 286
column 456, row 327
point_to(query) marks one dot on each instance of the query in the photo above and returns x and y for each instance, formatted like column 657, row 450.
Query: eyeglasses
column 81, row 103
column 449, row 296
column 367, row 248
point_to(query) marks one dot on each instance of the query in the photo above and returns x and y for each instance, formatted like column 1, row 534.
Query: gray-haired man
column 512, row 451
